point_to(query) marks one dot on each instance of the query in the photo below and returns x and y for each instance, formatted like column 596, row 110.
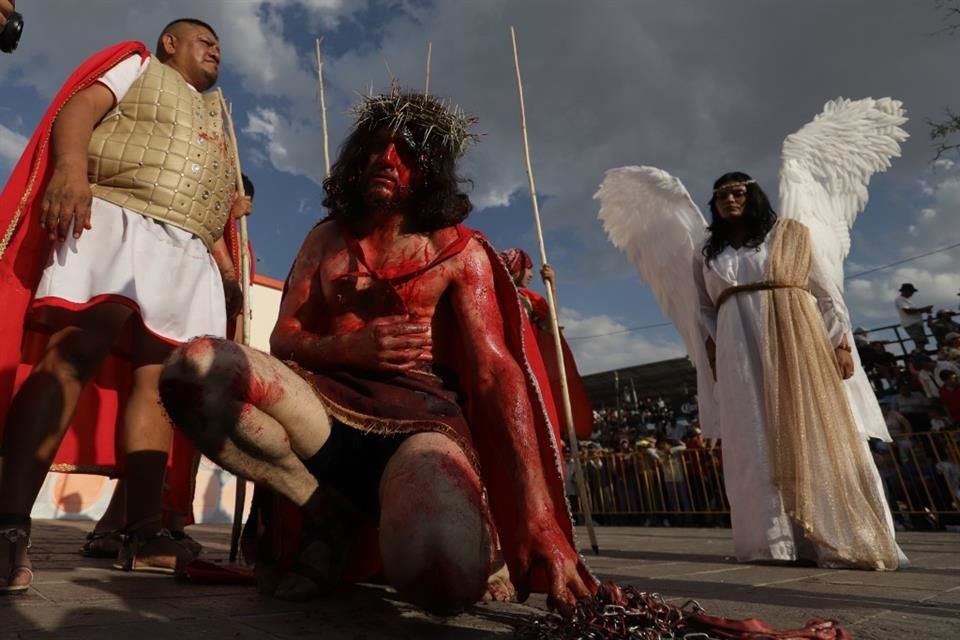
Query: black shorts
column 352, row 462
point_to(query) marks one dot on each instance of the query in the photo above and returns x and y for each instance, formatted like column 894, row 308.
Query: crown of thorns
column 422, row 121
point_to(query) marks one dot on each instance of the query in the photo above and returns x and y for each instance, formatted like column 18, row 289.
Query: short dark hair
column 167, row 29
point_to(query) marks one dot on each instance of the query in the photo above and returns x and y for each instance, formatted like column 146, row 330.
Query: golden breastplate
column 162, row 152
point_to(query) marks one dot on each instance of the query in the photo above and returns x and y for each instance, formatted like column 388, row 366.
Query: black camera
column 10, row 36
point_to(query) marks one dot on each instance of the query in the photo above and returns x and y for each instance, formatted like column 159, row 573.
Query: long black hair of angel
column 757, row 219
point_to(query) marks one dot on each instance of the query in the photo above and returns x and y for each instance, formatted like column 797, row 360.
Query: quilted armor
column 162, row 152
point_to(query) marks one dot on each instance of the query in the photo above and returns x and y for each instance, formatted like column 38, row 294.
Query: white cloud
column 251, row 32
column 11, row 146
column 933, row 224
column 607, row 84
column 611, row 344
column 623, row 83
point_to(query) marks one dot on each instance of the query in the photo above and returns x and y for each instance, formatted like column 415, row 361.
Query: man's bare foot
column 499, row 586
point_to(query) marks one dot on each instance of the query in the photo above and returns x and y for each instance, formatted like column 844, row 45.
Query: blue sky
column 698, row 88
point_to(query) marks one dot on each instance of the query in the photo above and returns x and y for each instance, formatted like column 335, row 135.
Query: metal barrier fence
column 920, row 474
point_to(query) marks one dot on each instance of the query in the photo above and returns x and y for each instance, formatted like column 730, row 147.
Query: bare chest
column 358, row 286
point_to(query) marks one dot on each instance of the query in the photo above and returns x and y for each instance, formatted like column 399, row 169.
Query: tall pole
column 241, row 494
column 323, row 114
column 554, row 321
column 426, row 86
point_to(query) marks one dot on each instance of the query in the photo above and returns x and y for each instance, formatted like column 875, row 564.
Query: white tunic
column 164, row 273
column 761, row 528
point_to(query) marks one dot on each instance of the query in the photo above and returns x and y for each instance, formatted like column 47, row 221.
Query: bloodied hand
column 392, row 343
column 546, row 548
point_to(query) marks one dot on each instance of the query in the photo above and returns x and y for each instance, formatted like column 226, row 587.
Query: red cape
column 284, row 522
column 579, row 400
column 23, row 259
column 90, row 445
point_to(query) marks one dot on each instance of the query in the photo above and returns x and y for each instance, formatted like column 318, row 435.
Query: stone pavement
column 82, row 599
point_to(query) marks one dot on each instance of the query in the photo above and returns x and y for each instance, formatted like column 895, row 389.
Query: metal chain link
column 616, row 613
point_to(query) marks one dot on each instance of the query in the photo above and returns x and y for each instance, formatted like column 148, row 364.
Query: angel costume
column 799, row 476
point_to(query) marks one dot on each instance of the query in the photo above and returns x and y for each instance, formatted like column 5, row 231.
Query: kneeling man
column 399, row 394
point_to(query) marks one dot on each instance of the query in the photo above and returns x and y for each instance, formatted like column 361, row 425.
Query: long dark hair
column 436, row 200
column 758, row 217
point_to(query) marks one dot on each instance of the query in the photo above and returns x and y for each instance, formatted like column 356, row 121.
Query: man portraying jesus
column 398, row 393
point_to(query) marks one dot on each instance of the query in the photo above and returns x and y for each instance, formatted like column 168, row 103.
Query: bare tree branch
column 942, row 132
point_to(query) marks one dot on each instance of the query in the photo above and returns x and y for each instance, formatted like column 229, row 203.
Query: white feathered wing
column 649, row 216
column 826, row 169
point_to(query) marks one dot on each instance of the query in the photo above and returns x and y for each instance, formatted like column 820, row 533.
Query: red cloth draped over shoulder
column 579, row 400
column 90, row 444
column 283, row 531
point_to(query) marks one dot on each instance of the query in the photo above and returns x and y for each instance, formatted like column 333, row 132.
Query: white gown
column 761, row 528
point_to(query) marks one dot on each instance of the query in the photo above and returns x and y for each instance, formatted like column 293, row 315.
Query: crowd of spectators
column 648, row 463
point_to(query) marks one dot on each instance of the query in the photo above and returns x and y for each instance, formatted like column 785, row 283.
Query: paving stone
column 84, row 599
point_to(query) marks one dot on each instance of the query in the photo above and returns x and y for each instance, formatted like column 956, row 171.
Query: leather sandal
column 151, row 550
column 15, row 533
column 101, row 544
column 191, row 545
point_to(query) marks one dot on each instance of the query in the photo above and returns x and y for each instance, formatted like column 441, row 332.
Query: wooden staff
column 554, row 321
column 241, row 496
column 323, row 113
column 426, row 87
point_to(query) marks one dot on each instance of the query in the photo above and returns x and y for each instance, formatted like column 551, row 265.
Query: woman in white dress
column 799, row 478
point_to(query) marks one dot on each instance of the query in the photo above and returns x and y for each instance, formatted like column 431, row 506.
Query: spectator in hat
column 950, row 348
column 942, row 324
column 911, row 318
column 923, row 368
column 944, row 365
column 879, row 364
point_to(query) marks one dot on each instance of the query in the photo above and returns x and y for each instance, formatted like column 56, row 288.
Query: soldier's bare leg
column 40, row 413
column 248, row 412
column 434, row 534
column 146, row 438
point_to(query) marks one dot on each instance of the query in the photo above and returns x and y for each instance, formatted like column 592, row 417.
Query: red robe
column 90, row 445
column 579, row 400
column 284, row 523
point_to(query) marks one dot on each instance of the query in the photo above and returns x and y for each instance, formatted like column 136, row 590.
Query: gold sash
column 819, row 459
